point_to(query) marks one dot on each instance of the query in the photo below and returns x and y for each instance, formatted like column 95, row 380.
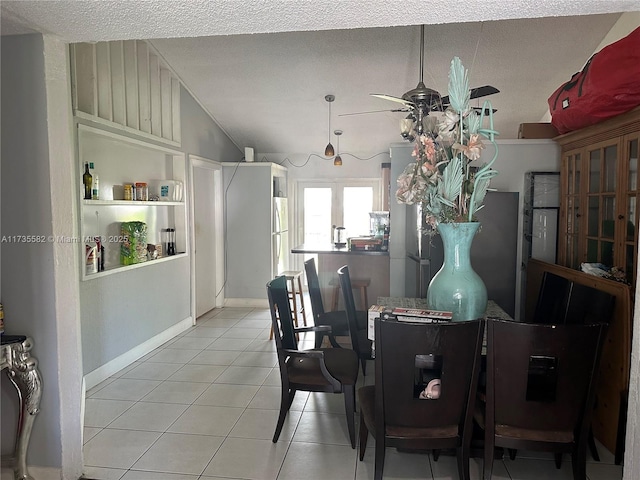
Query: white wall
column 313, row 166
column 201, row 135
column 632, row 447
column 40, row 281
column 122, row 303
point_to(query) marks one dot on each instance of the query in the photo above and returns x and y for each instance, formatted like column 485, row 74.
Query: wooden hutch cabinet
column 600, row 195
column 599, row 219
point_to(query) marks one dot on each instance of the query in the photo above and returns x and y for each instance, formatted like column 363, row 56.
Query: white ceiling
column 262, row 69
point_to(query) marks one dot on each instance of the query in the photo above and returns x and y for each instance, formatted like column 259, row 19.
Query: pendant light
column 328, row 151
column 337, row 162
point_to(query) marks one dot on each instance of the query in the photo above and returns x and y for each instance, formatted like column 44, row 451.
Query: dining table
column 493, row 310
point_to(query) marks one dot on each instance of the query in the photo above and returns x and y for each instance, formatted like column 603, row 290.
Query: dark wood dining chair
column 589, row 305
column 359, row 336
column 337, row 320
column 553, row 298
column 332, row 370
column 562, row 301
column 540, row 389
column 425, row 389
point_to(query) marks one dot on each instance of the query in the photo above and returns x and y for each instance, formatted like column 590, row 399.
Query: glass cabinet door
column 571, row 218
column 601, row 203
column 629, row 220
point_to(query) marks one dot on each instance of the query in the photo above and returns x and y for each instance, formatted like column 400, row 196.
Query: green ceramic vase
column 457, row 287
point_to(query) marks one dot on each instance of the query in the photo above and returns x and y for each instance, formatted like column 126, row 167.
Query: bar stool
column 360, row 284
column 294, row 277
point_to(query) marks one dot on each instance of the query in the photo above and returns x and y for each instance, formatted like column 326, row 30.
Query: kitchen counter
column 332, row 249
column 373, row 265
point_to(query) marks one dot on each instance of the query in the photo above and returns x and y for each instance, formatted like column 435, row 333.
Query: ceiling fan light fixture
column 328, row 151
column 430, row 125
column 337, row 162
column 406, row 127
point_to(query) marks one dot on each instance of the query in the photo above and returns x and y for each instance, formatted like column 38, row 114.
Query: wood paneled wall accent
column 125, row 84
column 613, row 379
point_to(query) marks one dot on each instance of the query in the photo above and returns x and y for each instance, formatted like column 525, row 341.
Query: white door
column 207, row 234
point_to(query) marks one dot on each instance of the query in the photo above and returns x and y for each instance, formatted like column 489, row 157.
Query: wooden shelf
column 122, row 268
column 120, row 159
column 131, row 202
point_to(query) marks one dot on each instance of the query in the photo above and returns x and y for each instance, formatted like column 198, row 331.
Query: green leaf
column 481, row 186
column 459, row 92
column 474, row 122
column 452, row 178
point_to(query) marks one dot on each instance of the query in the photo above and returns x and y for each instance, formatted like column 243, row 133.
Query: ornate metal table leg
column 25, row 376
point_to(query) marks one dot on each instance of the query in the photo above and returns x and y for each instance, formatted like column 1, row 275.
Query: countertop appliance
column 493, row 251
column 377, row 222
column 339, row 236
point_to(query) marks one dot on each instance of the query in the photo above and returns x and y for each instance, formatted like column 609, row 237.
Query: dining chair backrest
column 315, row 294
column 589, row 305
column 409, row 357
column 562, row 301
column 541, row 389
column 349, row 306
column 551, row 307
column 541, row 377
column 281, row 317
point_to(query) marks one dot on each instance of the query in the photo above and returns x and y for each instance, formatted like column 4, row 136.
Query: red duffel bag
column 608, row 85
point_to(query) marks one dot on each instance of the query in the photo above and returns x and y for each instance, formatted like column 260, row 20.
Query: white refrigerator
column 253, row 234
column 280, row 236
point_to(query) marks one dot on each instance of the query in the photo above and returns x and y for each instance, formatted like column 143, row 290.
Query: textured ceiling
column 262, row 69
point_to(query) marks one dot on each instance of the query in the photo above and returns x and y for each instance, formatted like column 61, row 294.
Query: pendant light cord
column 329, row 130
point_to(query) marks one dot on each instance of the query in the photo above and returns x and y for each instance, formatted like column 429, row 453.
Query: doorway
column 207, row 277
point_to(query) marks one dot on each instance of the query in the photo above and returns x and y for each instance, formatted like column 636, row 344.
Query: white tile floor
column 205, row 404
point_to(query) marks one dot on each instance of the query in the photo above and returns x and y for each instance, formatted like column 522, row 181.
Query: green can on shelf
column 133, row 247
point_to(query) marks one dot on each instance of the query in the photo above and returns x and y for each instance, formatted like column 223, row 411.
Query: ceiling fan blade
column 374, row 111
column 483, row 91
column 475, row 93
column 393, row 99
column 486, row 110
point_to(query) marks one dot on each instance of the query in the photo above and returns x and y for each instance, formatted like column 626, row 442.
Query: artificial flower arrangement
column 442, row 178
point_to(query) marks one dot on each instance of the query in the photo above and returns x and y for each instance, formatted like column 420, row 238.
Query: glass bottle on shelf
column 95, row 190
column 87, row 180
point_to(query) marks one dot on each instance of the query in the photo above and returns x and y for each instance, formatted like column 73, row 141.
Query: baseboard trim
column 246, row 302
column 100, row 374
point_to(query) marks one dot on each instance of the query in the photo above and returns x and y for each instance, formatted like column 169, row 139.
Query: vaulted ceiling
column 262, row 69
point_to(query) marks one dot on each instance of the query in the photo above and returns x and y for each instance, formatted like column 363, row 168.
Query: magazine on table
column 417, row 315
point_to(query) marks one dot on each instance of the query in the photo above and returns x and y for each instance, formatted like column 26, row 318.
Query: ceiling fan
column 421, row 100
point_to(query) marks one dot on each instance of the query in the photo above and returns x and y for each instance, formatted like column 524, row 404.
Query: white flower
column 440, row 178
column 448, row 124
